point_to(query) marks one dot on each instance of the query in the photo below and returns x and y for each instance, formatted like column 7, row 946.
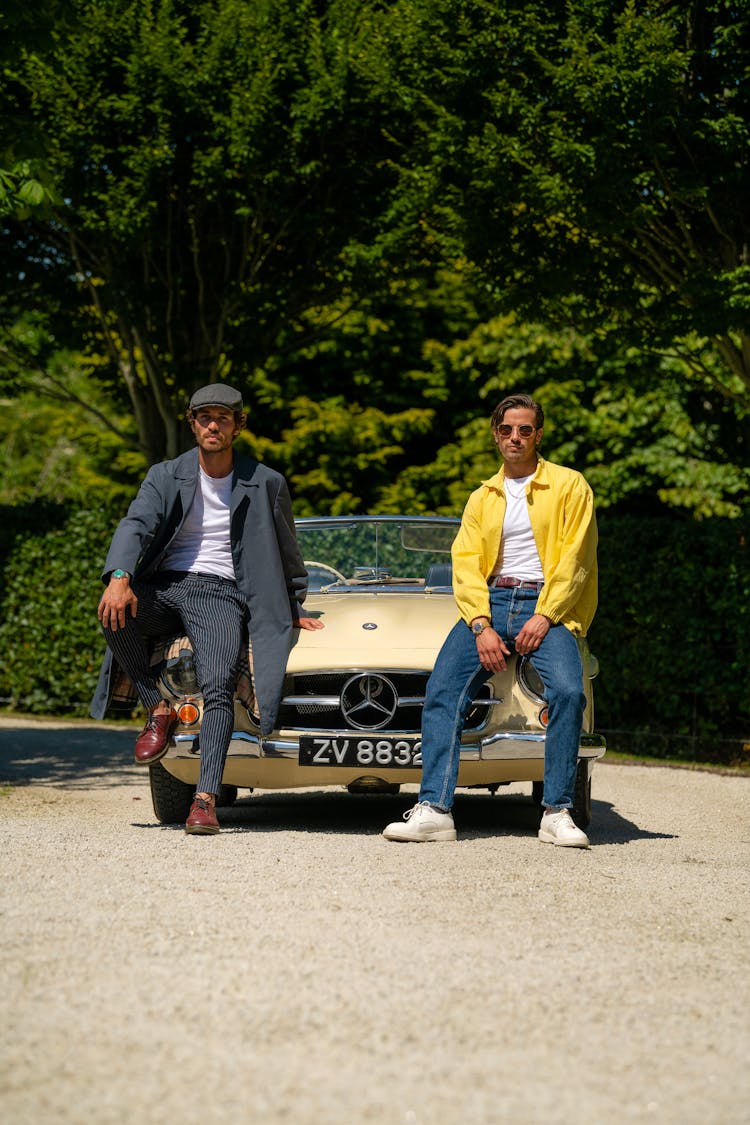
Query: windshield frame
column 376, row 576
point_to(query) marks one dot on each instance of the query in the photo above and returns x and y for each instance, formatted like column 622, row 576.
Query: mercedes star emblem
column 368, row 701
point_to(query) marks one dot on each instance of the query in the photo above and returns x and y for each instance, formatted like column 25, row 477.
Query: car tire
column 227, row 796
column 581, row 811
column 171, row 797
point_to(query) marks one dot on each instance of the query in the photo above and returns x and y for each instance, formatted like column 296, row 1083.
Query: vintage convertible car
column 354, row 691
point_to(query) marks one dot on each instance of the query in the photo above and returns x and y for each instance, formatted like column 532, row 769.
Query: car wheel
column 171, row 797
column 581, row 811
column 227, row 796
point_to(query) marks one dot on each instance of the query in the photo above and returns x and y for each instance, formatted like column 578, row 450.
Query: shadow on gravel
column 69, row 757
column 341, row 813
column 98, row 756
column 608, row 827
column 477, row 816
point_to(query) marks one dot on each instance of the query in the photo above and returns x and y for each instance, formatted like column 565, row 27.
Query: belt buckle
column 508, row 582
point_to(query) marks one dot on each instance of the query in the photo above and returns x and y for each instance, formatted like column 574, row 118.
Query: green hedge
column 672, row 633
column 50, row 586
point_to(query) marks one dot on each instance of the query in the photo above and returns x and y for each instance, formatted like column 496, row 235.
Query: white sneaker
column 422, row 822
column 558, row 828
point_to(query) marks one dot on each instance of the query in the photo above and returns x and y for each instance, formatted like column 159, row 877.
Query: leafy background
column 376, row 220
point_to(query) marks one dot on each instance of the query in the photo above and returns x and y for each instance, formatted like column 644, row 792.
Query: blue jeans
column 458, row 674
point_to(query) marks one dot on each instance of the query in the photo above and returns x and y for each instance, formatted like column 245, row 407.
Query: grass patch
column 615, row 757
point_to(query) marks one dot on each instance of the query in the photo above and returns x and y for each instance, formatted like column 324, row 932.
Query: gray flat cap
column 216, row 394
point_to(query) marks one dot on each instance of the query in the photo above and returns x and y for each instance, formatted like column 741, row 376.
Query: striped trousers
column 212, row 614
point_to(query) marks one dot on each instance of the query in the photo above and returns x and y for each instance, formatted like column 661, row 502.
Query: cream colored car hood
column 409, row 631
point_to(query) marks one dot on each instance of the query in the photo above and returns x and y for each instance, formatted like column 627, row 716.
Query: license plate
column 345, row 750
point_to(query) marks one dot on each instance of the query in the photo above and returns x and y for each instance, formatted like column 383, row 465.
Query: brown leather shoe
column 202, row 819
column 153, row 740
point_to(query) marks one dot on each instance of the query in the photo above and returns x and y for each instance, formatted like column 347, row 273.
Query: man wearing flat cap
column 207, row 548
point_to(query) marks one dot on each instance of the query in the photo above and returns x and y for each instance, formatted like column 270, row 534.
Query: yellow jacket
column 561, row 509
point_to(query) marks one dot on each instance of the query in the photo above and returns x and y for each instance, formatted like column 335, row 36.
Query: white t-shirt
column 203, row 542
column 518, row 557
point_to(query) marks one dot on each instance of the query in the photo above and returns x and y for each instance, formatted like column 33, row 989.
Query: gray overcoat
column 267, row 562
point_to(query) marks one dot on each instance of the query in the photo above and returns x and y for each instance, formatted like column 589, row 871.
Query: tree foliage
column 591, row 158
column 221, row 166
column 377, row 219
column 25, row 179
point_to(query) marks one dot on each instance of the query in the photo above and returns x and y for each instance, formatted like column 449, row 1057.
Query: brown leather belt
column 505, row 580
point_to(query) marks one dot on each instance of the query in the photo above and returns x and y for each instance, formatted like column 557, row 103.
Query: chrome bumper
column 496, row 747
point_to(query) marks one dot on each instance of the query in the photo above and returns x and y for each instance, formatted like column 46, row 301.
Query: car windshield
column 387, row 551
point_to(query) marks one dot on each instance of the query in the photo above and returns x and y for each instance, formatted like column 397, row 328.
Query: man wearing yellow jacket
column 524, row 579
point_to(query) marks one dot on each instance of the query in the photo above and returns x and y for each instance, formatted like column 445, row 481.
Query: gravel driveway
column 299, row 968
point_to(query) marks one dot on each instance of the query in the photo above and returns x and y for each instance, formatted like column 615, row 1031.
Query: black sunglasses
column 525, row 431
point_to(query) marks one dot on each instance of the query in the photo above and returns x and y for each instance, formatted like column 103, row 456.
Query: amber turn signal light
column 188, row 714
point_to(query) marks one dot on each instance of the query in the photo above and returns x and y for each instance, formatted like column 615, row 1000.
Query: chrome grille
column 312, row 701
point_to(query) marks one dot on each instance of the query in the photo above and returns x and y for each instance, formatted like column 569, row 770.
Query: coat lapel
column 244, row 484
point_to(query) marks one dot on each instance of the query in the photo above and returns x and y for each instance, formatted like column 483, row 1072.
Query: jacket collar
column 245, row 467
column 186, row 466
column 540, row 478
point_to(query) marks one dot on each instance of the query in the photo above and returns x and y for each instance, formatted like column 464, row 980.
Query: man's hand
column 492, row 650
column 532, row 634
column 116, row 600
column 308, row 623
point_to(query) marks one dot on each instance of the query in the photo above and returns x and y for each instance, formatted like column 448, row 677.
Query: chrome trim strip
column 515, row 736
column 316, row 700
column 280, row 748
column 351, row 521
column 509, row 744
column 403, row 700
column 354, row 670
column 374, row 586
column 506, row 744
column 237, row 736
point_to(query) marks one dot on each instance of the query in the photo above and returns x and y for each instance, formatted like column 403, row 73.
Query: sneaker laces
column 562, row 820
column 415, row 809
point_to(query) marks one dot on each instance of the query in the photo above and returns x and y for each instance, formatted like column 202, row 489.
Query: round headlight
column 178, row 673
column 529, row 679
